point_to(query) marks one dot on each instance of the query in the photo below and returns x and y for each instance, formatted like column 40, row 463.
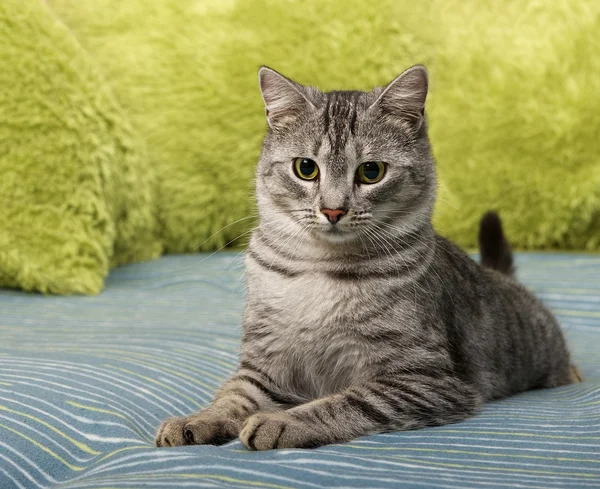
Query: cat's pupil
column 371, row 170
column 307, row 167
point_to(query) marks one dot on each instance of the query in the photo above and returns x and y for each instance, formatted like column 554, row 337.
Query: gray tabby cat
column 360, row 319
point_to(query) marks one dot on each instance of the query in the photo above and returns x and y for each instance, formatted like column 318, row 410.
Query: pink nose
column 333, row 215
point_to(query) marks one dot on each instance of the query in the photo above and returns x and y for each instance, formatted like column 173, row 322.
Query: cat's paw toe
column 263, row 431
column 171, row 433
column 195, row 430
column 269, row 431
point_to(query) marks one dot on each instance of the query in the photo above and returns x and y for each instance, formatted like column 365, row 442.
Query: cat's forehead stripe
column 317, row 146
column 326, row 116
column 355, row 98
column 340, row 116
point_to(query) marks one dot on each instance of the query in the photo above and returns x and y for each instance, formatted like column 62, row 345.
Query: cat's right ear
column 284, row 99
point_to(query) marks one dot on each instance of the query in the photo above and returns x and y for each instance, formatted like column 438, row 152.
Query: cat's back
column 510, row 338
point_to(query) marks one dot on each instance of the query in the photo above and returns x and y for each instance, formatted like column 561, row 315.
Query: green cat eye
column 305, row 168
column 370, row 172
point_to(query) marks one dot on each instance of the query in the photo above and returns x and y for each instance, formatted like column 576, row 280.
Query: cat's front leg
column 246, row 393
column 398, row 402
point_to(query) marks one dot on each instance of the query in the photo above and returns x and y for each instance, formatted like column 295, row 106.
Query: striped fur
column 375, row 323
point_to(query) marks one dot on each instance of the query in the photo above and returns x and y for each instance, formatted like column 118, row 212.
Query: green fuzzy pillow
column 513, row 110
column 75, row 195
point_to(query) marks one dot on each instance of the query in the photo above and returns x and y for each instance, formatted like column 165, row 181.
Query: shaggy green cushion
column 513, row 108
column 75, row 197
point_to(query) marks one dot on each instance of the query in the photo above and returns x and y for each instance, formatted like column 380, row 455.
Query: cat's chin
column 336, row 236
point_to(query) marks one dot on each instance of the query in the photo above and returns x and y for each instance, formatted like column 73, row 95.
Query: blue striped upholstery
column 84, row 382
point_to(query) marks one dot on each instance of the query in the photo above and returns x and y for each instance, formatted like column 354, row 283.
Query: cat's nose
column 333, row 215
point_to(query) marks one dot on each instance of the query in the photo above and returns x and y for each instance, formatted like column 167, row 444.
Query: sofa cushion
column 76, row 193
column 85, row 382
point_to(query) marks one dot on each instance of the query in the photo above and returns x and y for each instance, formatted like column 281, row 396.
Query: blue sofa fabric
column 85, row 381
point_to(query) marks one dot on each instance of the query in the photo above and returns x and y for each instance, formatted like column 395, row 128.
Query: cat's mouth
column 335, row 233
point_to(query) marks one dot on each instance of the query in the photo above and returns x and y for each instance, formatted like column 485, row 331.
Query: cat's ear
column 284, row 99
column 404, row 97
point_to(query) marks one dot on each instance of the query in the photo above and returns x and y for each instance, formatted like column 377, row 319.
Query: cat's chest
column 305, row 331
column 313, row 301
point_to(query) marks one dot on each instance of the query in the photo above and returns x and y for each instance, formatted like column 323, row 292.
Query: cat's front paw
column 203, row 428
column 267, row 431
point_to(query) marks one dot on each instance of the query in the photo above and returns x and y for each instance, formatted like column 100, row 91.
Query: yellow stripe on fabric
column 174, row 372
column 552, row 262
column 570, row 393
column 569, row 312
column 578, row 291
column 129, row 355
column 468, row 452
column 45, row 449
column 125, row 449
column 145, row 364
column 566, row 290
column 150, row 379
column 233, row 479
column 174, row 362
column 212, row 360
column 106, row 411
column 570, row 397
column 81, row 446
column 6, row 384
column 223, row 478
column 95, row 409
column 585, row 404
column 552, row 418
column 138, row 362
column 512, row 433
column 494, row 469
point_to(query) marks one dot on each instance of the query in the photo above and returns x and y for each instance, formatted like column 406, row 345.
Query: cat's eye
column 370, row 172
column 305, row 168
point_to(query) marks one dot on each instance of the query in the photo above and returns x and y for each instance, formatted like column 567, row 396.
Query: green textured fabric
column 75, row 196
column 513, row 107
column 138, row 126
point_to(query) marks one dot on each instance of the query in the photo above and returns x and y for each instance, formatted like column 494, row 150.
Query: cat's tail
column 493, row 246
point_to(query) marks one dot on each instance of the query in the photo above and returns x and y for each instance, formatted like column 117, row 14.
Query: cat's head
column 341, row 166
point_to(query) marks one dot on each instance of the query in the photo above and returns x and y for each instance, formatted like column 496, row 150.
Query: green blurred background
column 513, row 110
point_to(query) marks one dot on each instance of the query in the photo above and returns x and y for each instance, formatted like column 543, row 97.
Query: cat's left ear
column 404, row 97
column 284, row 98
